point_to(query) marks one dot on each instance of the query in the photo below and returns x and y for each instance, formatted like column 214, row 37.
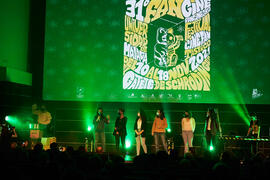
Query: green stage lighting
column 7, row 118
column 128, row 158
column 14, row 120
column 169, row 130
column 30, row 126
column 128, row 144
column 211, row 148
column 89, row 128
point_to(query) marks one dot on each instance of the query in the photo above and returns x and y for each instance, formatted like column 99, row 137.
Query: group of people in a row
column 188, row 124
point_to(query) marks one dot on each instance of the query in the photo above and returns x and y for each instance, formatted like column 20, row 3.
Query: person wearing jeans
column 139, row 128
column 158, row 130
column 99, row 122
column 188, row 127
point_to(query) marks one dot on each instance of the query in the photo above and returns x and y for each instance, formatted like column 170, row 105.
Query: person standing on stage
column 158, row 130
column 44, row 118
column 254, row 127
column 254, row 132
column 139, row 128
column 120, row 130
column 188, row 128
column 99, row 124
column 212, row 126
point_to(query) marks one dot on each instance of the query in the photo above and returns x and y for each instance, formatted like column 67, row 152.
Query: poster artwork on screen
column 167, row 45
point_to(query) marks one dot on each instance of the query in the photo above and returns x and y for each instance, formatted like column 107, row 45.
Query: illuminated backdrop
column 157, row 51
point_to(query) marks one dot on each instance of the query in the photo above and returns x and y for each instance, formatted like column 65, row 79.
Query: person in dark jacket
column 99, row 122
column 120, row 130
column 139, row 128
column 212, row 126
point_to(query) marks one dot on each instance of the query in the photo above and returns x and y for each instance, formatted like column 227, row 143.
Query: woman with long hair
column 139, row 128
column 120, row 130
column 212, row 126
column 158, row 130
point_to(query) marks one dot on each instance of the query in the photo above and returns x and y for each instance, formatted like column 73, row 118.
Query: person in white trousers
column 139, row 128
column 188, row 128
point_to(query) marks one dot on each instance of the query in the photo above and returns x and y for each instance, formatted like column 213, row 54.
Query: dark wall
column 36, row 46
column 17, row 98
column 14, row 23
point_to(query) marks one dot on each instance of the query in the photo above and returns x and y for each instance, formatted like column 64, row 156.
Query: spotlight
column 7, row 118
column 128, row 143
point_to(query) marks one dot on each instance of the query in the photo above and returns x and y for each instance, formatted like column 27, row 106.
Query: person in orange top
column 158, row 130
